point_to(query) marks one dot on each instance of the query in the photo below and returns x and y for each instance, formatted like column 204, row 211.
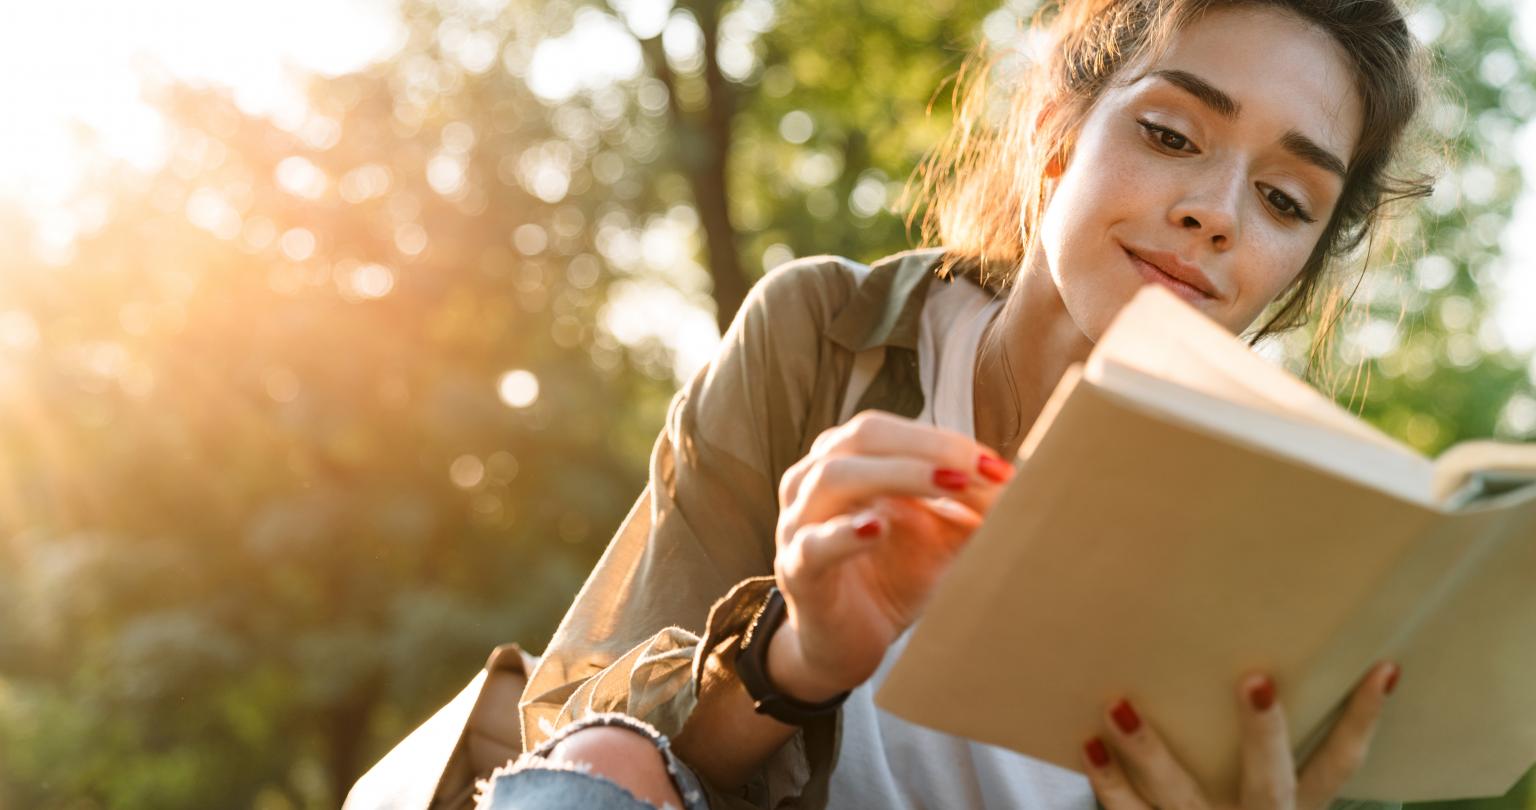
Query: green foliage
column 1420, row 354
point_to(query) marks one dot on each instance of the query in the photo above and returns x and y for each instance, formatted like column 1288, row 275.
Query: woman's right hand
column 868, row 522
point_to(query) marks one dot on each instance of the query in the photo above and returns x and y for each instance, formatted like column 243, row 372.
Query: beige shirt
column 687, row 570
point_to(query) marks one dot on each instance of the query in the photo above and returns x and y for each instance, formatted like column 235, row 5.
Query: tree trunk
column 710, row 182
column 702, row 144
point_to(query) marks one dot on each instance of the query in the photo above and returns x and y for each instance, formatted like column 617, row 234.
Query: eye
column 1170, row 139
column 1288, row 206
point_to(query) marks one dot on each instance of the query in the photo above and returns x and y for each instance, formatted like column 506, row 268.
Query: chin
column 1095, row 310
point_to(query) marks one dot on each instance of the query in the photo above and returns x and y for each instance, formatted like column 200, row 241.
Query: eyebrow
column 1226, row 106
column 1307, row 149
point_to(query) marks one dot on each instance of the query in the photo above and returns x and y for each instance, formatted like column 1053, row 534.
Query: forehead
column 1285, row 73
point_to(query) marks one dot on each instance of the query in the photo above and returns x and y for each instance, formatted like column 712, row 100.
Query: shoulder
column 815, row 292
column 814, row 287
column 781, row 366
column 780, row 332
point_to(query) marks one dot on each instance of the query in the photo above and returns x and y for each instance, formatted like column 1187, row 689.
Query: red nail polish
column 867, row 528
column 952, row 480
column 994, row 468
column 1391, row 683
column 1263, row 695
column 1126, row 717
column 1097, row 753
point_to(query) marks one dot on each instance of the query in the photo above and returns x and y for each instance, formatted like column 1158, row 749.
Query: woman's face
column 1212, row 171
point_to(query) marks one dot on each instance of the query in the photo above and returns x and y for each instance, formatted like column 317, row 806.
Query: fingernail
column 1126, row 717
column 1263, row 695
column 994, row 468
column 952, row 480
column 1391, row 683
column 1097, row 753
column 867, row 528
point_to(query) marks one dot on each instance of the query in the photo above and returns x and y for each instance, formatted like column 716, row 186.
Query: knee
column 622, row 756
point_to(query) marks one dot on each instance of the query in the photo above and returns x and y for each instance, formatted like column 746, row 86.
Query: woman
column 1227, row 150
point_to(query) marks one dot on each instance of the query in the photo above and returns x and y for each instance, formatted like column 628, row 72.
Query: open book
column 1185, row 512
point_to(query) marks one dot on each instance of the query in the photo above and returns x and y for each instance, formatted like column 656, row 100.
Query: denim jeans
column 532, row 782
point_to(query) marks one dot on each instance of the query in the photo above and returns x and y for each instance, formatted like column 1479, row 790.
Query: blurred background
column 334, row 334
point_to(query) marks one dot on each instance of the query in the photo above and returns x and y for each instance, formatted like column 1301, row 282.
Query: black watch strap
column 752, row 669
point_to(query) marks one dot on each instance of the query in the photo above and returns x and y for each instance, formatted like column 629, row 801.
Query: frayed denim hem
column 533, row 781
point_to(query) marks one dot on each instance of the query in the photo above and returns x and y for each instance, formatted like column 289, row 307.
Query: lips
column 1169, row 270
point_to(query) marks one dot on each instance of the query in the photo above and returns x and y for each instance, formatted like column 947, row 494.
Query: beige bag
column 437, row 765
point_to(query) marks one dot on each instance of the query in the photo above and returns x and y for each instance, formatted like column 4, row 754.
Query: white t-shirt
column 915, row 767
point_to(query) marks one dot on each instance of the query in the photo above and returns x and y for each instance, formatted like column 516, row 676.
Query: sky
column 73, row 66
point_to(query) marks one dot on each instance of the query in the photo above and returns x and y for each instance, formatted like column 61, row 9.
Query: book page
column 1456, row 465
column 1161, row 336
column 1387, row 467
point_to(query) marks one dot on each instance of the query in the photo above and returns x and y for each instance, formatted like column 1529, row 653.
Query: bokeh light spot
column 563, row 66
column 298, row 244
column 466, row 472
column 501, row 467
column 445, row 173
column 529, row 239
column 776, row 254
column 518, row 388
column 364, row 183
column 371, row 280
column 300, row 177
column 411, row 239
column 207, row 209
column 796, row 126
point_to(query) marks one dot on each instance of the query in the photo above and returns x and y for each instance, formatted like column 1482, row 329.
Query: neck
column 1024, row 353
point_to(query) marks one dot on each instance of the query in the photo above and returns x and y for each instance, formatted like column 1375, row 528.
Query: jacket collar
column 887, row 306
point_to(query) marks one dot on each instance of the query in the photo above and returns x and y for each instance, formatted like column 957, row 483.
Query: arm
column 869, row 521
column 713, row 518
column 640, row 636
column 725, row 712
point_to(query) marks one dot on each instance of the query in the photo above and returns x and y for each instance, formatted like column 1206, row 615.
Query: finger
column 928, row 525
column 1109, row 781
column 1342, row 753
column 819, row 547
column 836, row 484
column 1164, row 781
column 789, row 484
column 952, row 511
column 876, row 433
column 1268, row 774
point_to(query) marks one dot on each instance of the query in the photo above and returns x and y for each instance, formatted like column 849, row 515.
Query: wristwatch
column 752, row 669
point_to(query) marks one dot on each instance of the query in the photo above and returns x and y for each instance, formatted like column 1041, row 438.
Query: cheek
column 1088, row 200
column 1267, row 272
column 1087, row 268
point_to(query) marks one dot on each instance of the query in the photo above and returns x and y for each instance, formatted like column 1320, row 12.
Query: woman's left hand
column 1136, row 771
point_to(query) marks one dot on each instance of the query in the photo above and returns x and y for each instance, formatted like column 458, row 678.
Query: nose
column 1209, row 209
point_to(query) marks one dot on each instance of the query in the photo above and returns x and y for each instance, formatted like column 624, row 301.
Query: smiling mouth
column 1153, row 274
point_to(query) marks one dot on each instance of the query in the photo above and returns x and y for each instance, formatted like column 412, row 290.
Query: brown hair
column 982, row 192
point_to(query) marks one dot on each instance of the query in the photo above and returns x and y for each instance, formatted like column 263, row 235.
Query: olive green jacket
column 690, row 565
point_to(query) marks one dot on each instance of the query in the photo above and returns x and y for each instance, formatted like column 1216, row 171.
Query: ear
column 1058, row 160
column 1056, row 165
